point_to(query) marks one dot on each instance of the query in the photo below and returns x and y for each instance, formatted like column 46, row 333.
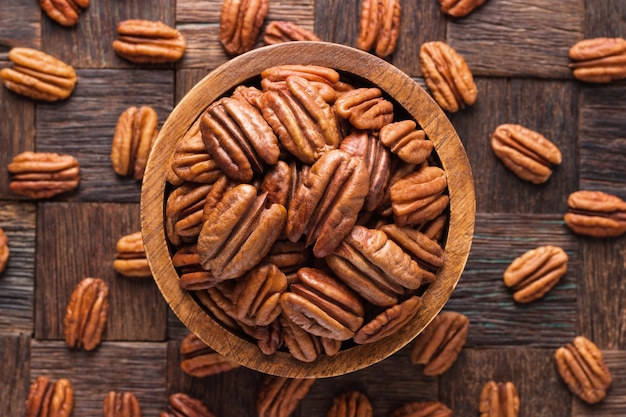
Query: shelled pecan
column 240, row 24
column 191, row 274
column 184, row 211
column 459, row 8
column 183, row 405
column 351, row 403
column 422, row 409
column 379, row 26
column 304, row 346
column 279, row 31
column 199, row 360
column 404, row 139
column 525, row 152
column 130, row 257
column 280, row 396
column 498, row 400
column 599, row 60
column 64, row 12
column 389, row 321
column 136, row 130
column 43, row 174
column 325, row 79
column 38, row 75
column 121, row 404
column 268, row 338
column 4, row 250
column 50, row 399
column 365, row 108
column 439, row 345
column 86, row 314
column 447, row 76
column 596, row 214
column 148, row 42
column 581, row 365
column 192, row 162
column 536, row 272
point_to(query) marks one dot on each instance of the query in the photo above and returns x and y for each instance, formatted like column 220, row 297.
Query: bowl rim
column 393, row 82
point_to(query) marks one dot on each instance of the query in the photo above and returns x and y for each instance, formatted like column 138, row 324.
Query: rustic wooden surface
column 518, row 51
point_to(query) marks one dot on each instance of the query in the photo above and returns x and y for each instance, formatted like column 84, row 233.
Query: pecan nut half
column 183, row 405
column 4, row 250
column 439, row 345
column 38, row 75
column 130, row 257
column 447, row 76
column 280, row 396
column 121, row 404
column 596, row 214
column 525, row 152
column 536, row 272
column 304, row 346
column 240, row 24
column 379, row 26
column 422, row 409
column 599, row 60
column 325, row 79
column 184, row 212
column 87, row 314
column 582, row 367
column 192, row 162
column 50, row 399
column 498, row 400
column 406, row 141
column 43, row 174
column 199, row 360
column 365, row 108
column 351, row 403
column 64, row 12
column 148, row 42
column 389, row 321
column 459, row 8
column 134, row 136
column 280, row 31
column 191, row 274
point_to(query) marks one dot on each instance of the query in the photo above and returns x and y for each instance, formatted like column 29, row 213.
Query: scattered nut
column 50, row 399
column 599, row 60
column 596, row 214
column 279, row 31
column 351, row 404
column 87, row 314
column 183, row 405
column 4, row 250
column 148, row 42
column 379, row 26
column 121, row 404
column 130, row 258
column 240, row 24
column 39, row 175
column 135, row 133
column 279, row 396
column 459, row 8
column 498, row 400
column 64, row 12
column 199, row 360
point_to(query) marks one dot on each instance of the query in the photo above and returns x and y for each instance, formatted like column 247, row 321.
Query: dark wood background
column 517, row 50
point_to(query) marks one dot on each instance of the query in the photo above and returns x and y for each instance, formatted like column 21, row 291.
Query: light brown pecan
column 351, row 403
column 121, row 404
column 447, row 76
column 536, row 272
column 422, row 409
column 136, row 130
column 379, row 26
column 498, row 400
column 599, row 60
column 277, row 183
column 87, row 314
column 327, row 202
column 249, row 94
column 4, row 250
column 38, row 75
column 64, row 12
column 227, row 321
column 365, row 108
column 582, row 367
column 130, row 257
column 435, row 228
column 280, row 31
column 459, row 8
column 596, row 214
column 399, row 170
column 389, row 321
column 191, row 274
column 325, row 79
column 240, row 24
column 280, row 396
column 183, row 405
column 525, row 152
column 406, row 141
column 50, row 399
column 199, row 360
column 439, row 345
column 192, row 162
column 43, row 174
column 184, row 212
column 289, row 256
column 304, row 346
column 148, row 42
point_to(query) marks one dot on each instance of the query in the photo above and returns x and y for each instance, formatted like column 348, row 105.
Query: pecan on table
column 191, row 274
column 525, row 152
column 183, row 405
column 581, row 365
column 439, row 345
column 404, row 139
column 184, row 211
column 536, row 272
column 87, row 314
column 64, row 12
column 351, row 403
column 379, row 26
column 422, row 409
column 596, row 214
column 325, row 79
column 121, row 404
column 199, row 360
column 280, row 31
column 304, row 346
column 459, row 8
column 240, row 24
column 4, row 250
column 130, row 257
column 498, row 400
column 38, row 75
column 148, row 42
column 599, row 60
column 280, row 396
column 43, row 174
column 447, row 76
column 134, row 136
column 192, row 162
column 365, row 108
column 389, row 321
column 50, row 399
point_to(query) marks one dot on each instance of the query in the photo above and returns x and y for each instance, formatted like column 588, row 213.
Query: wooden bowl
column 406, row 93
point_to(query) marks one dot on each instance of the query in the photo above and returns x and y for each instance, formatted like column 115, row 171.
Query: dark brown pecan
column 220, row 315
column 365, row 108
column 582, row 367
column 389, row 321
column 289, row 256
column 422, row 409
column 50, row 399
column 597, row 214
column 268, row 338
column 238, row 138
column 249, row 94
column 325, row 79
column 459, row 8
column 130, row 257
column 64, row 12
column 406, row 141
column 38, row 75
column 374, row 266
column 536, row 272
column 184, row 212
column 498, row 400
column 599, row 60
column 121, row 404
column 327, row 202
column 87, row 314
column 351, row 404
column 277, row 184
column 192, row 162
column 183, row 405
column 379, row 26
column 399, row 170
column 279, row 396
column 435, row 228
column 199, row 360
column 240, row 24
column 135, row 133
column 191, row 274
column 4, row 250
column 447, row 76
column 303, row 345
column 148, row 42
column 43, row 174
column 280, row 31
column 439, row 345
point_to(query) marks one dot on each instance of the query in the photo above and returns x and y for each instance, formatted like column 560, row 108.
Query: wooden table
column 517, row 51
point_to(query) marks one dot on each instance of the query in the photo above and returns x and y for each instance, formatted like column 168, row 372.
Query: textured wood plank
column 136, row 367
column 495, row 319
column 88, row 124
column 614, row 404
column 20, row 25
column 605, row 18
column 76, row 241
column 203, row 48
column 17, row 282
column 186, row 79
column 14, row 373
column 521, row 38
